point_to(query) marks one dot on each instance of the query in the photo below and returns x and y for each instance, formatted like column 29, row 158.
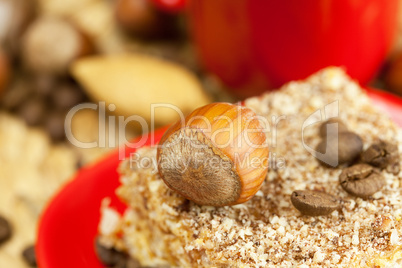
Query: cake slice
column 160, row 227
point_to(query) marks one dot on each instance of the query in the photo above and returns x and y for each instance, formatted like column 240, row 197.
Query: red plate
column 69, row 224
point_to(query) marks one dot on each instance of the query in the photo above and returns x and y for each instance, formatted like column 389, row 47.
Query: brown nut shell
column 51, row 44
column 216, row 156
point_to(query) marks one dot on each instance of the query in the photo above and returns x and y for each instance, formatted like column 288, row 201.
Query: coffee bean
column 361, row 180
column 5, row 230
column 314, row 203
column 17, row 93
column 67, row 96
column 29, row 256
column 339, row 149
column 384, row 155
column 334, row 125
column 109, row 256
column 33, row 111
column 44, row 84
column 54, row 125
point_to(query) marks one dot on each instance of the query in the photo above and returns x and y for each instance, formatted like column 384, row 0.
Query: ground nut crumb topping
column 160, row 227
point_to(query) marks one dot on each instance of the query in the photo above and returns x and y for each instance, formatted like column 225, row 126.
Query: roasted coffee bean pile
column 339, row 146
column 43, row 101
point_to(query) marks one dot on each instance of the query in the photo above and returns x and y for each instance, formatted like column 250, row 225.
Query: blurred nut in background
column 15, row 15
column 44, row 84
column 54, row 125
column 5, row 71
column 141, row 18
column 17, row 93
column 51, row 44
column 33, row 111
column 132, row 82
column 393, row 76
column 66, row 96
column 42, row 101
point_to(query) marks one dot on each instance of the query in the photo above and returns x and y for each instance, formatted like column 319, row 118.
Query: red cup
column 255, row 45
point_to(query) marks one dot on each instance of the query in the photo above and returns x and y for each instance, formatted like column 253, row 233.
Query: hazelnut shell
column 230, row 134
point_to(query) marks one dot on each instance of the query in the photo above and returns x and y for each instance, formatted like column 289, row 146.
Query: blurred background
column 57, row 54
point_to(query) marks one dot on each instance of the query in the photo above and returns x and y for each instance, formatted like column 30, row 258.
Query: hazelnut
column 141, row 18
column 51, row 44
column 128, row 81
column 216, row 156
